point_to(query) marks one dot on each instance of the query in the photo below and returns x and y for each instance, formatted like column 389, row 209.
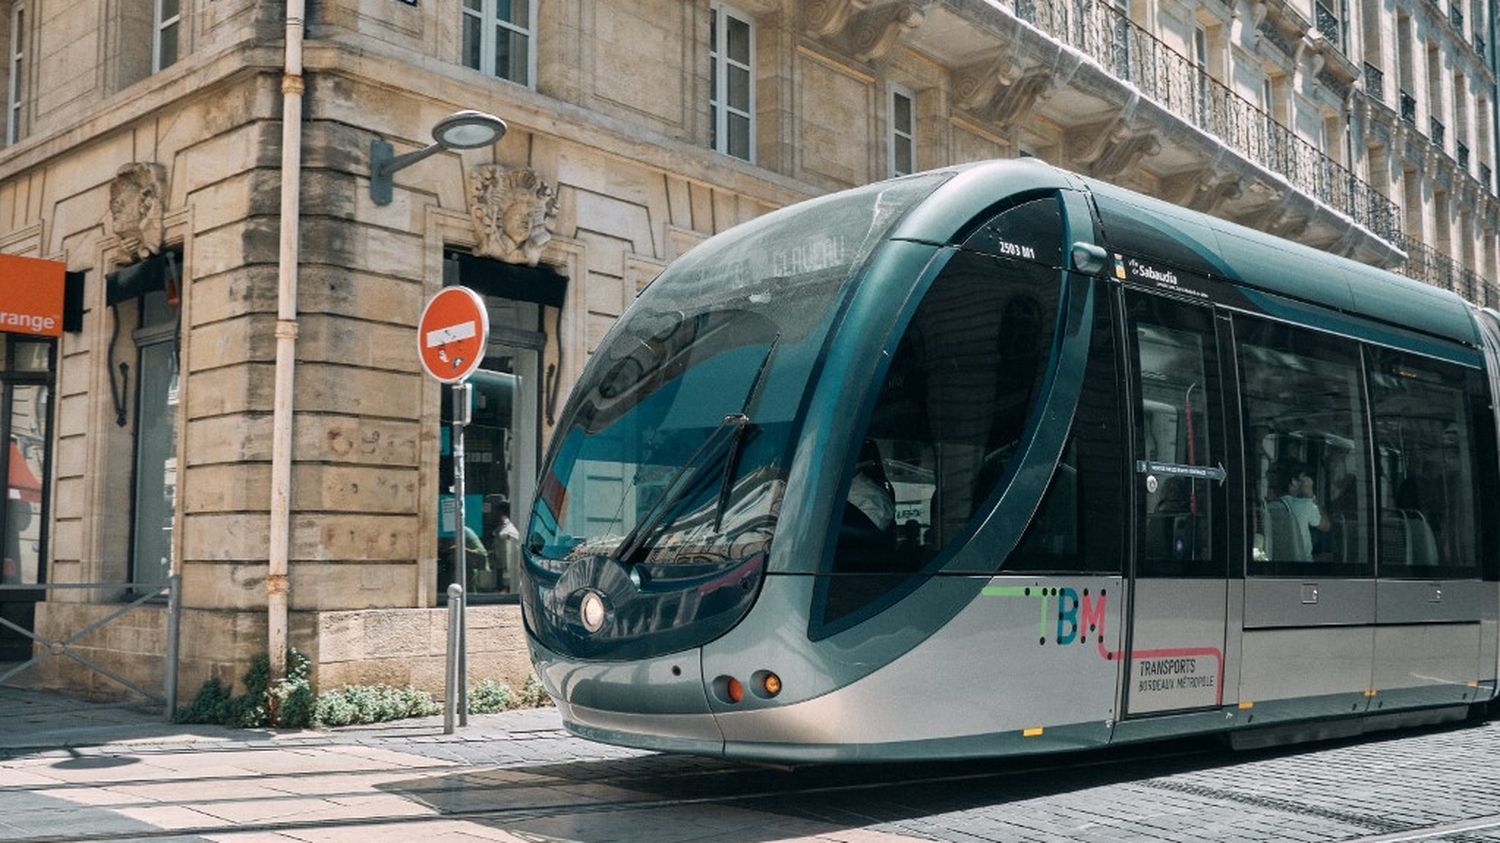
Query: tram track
column 509, row 814
column 518, row 793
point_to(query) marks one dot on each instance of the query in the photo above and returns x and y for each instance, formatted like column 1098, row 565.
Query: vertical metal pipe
column 286, row 342
column 460, row 547
column 450, row 672
column 174, row 629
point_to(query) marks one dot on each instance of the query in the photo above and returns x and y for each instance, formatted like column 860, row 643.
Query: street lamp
column 459, row 130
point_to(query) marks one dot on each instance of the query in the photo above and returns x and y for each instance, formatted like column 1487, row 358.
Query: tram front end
column 743, row 529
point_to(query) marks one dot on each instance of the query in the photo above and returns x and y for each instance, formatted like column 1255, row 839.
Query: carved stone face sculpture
column 512, row 211
column 135, row 209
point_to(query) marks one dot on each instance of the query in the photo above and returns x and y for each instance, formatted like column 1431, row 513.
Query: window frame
column 158, row 26
column 489, row 18
column 1279, row 569
column 718, row 106
column 146, row 336
column 894, row 132
column 17, row 64
column 1474, row 569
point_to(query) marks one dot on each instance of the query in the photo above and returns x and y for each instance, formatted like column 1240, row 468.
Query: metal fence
column 66, row 645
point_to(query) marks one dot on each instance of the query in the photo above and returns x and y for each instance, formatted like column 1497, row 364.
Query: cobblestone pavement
column 114, row 774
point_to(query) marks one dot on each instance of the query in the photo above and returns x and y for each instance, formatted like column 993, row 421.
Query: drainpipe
column 286, row 342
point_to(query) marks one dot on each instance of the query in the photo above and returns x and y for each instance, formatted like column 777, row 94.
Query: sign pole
column 460, row 545
column 452, row 337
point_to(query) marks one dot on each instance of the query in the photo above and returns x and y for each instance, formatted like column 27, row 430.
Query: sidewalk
column 38, row 722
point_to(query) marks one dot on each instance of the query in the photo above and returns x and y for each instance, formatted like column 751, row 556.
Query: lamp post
column 459, row 130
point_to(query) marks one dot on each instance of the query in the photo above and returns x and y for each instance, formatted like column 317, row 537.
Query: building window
column 17, row 73
column 155, row 439
column 732, row 83
column 497, row 38
column 903, row 140
column 166, row 15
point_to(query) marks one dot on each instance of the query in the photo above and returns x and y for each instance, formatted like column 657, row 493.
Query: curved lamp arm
column 384, row 162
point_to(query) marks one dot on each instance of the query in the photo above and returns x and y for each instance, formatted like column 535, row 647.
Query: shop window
column 155, row 492
column 1307, row 452
column 731, row 83
column 502, row 442
column 25, row 419
column 1425, row 414
column 498, row 38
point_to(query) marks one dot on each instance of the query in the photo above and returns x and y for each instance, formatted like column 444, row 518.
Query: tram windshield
column 674, row 447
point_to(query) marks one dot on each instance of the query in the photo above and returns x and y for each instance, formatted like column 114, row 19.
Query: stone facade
column 612, row 120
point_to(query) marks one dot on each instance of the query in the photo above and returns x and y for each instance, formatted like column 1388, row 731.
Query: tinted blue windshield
column 732, row 328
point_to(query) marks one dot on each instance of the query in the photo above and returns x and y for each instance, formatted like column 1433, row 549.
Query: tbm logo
column 1078, row 616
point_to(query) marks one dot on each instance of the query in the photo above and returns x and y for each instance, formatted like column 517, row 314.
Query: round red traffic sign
column 453, row 333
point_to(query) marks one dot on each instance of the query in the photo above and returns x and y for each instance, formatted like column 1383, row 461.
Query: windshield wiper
column 717, row 446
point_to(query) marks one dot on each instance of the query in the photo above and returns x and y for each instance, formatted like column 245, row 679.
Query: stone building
column 147, row 152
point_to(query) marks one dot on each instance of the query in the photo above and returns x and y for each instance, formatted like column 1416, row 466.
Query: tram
column 1002, row 459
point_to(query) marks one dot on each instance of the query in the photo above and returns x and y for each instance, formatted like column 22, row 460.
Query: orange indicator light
column 734, row 690
column 772, row 684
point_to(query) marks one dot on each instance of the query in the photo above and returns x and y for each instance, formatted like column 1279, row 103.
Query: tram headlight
column 591, row 611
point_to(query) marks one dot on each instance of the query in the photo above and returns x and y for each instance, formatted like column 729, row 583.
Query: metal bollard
column 450, row 689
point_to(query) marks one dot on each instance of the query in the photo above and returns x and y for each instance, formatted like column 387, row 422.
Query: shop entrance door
column 25, row 431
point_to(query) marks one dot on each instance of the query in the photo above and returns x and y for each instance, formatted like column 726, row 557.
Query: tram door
column 1175, row 643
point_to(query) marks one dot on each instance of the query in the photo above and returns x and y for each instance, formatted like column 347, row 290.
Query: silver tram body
column 1000, row 459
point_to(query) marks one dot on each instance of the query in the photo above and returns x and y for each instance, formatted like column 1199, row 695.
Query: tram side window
column 1078, row 527
column 946, row 422
column 1424, row 447
column 1179, row 433
column 1307, row 452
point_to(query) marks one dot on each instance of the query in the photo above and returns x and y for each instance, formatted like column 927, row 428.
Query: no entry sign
column 453, row 333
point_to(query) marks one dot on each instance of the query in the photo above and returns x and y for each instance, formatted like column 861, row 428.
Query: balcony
column 1182, row 87
column 1456, row 17
column 1430, row 266
column 1374, row 82
column 1462, row 153
column 1436, row 132
column 1329, row 26
column 1408, row 108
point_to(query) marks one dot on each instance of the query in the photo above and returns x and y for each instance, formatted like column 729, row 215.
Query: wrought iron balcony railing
column 1408, row 108
column 1375, row 82
column 1329, row 25
column 1184, row 88
column 1430, row 266
column 1462, row 155
column 1436, row 132
column 1456, row 17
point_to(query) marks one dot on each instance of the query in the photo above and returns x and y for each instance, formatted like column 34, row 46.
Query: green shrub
column 490, row 696
column 290, row 702
column 359, row 704
column 533, row 695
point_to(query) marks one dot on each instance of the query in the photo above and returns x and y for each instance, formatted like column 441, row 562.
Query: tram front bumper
column 657, row 704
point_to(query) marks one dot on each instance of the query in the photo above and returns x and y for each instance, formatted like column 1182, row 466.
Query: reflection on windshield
column 695, row 348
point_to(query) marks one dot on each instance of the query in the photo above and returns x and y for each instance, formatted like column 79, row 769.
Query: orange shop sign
column 31, row 296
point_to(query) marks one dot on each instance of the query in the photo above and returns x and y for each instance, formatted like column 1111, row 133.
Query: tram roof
column 1201, row 243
